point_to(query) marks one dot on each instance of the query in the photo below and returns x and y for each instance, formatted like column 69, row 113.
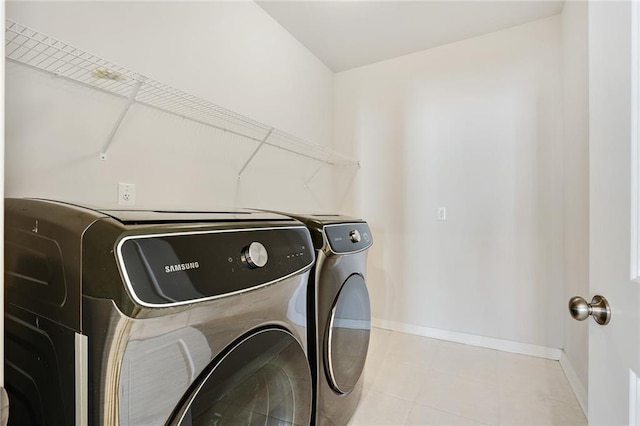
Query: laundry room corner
column 575, row 36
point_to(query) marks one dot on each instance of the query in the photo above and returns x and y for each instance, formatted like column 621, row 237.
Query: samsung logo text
column 181, row 267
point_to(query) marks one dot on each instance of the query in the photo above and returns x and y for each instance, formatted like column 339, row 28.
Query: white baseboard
column 471, row 339
column 579, row 390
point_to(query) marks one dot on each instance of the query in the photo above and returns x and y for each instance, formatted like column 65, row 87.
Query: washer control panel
column 348, row 237
column 176, row 268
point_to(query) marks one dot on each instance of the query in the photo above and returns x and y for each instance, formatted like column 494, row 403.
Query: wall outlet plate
column 126, row 194
column 442, row 213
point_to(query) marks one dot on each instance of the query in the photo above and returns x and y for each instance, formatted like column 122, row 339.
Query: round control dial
column 354, row 235
column 255, row 255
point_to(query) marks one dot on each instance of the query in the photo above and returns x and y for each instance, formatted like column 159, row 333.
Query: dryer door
column 264, row 379
column 347, row 335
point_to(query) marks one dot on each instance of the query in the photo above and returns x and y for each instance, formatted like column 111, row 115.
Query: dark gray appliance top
column 319, row 220
column 142, row 216
column 155, row 216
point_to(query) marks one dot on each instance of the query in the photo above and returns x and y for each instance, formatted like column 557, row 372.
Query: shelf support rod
column 130, row 101
column 308, row 181
column 348, row 186
column 255, row 151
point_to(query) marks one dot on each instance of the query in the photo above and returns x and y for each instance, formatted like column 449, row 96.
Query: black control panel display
column 348, row 237
column 179, row 268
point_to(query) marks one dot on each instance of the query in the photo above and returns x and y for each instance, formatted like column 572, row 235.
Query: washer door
column 347, row 336
column 262, row 380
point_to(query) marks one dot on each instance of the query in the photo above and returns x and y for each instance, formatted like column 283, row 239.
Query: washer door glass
column 347, row 336
column 263, row 380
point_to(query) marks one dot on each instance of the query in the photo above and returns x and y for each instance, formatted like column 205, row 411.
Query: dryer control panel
column 178, row 268
column 347, row 238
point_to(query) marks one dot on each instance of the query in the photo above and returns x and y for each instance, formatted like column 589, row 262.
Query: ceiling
column 351, row 33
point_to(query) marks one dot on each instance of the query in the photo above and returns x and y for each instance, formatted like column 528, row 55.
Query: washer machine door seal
column 347, row 336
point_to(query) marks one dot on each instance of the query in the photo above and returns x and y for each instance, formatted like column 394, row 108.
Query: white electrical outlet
column 126, row 194
column 442, row 213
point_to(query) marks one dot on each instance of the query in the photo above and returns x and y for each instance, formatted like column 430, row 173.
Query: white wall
column 475, row 127
column 576, row 185
column 231, row 53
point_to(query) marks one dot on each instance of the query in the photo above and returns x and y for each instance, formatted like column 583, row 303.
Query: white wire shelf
column 29, row 47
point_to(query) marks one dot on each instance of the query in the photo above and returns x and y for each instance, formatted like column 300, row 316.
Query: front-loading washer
column 339, row 314
column 151, row 318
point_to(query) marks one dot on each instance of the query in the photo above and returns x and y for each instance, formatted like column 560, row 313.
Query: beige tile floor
column 413, row 380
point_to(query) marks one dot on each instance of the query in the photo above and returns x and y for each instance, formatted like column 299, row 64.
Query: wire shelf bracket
column 26, row 46
column 308, row 181
column 253, row 154
column 125, row 109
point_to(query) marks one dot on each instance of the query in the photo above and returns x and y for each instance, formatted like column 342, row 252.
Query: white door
column 614, row 349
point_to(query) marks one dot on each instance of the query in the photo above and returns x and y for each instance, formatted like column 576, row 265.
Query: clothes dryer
column 339, row 314
column 151, row 318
